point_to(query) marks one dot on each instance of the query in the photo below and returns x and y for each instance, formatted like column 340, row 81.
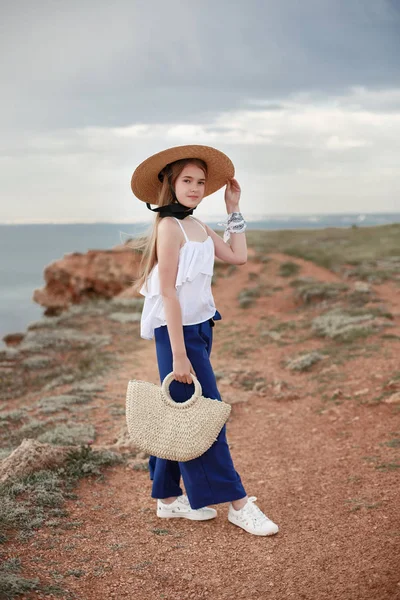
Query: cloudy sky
column 303, row 96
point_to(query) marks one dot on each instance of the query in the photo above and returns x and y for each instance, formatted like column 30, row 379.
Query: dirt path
column 317, row 448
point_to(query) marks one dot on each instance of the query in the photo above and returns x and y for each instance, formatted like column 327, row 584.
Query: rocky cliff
column 78, row 277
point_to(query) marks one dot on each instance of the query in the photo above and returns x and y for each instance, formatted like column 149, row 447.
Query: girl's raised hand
column 232, row 195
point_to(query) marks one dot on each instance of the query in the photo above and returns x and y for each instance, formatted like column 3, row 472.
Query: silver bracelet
column 234, row 224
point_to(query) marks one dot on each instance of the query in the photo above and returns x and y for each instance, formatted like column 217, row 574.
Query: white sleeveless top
column 193, row 287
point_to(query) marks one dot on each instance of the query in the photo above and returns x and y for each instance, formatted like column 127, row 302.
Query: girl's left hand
column 232, row 195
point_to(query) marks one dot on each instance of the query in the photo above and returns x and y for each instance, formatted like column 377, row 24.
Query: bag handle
column 167, row 396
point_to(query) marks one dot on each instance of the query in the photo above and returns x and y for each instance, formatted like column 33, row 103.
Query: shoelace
column 253, row 511
column 184, row 499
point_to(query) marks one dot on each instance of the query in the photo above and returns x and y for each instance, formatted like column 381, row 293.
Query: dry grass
column 26, row 503
column 334, row 248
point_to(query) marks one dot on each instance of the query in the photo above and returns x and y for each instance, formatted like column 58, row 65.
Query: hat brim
column 145, row 183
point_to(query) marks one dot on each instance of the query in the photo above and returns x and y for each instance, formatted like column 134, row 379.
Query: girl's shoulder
column 167, row 224
column 166, row 232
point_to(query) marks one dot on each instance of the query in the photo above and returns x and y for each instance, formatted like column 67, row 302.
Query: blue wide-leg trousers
column 211, row 478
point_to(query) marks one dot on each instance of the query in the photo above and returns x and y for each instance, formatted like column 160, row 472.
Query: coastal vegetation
column 313, row 326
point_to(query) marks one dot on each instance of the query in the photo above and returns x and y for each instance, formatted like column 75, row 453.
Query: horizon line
column 261, row 217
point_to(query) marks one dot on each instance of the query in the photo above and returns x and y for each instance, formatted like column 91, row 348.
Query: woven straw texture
column 146, row 185
column 173, row 430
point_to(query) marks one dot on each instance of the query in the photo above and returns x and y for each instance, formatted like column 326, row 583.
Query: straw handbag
column 173, row 430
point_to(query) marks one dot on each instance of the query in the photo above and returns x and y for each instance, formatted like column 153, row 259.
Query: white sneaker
column 252, row 519
column 181, row 508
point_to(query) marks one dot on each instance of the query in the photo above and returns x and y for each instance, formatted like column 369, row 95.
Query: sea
column 26, row 249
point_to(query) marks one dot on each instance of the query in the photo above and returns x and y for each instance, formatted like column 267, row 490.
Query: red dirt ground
column 320, row 468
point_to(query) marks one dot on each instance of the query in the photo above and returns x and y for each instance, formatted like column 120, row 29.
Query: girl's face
column 190, row 186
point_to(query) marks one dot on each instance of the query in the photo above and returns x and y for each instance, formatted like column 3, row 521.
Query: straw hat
column 145, row 183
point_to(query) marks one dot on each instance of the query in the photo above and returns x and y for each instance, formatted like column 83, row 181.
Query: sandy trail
column 319, row 460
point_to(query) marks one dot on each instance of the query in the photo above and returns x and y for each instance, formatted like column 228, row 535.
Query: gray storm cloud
column 101, row 63
column 297, row 93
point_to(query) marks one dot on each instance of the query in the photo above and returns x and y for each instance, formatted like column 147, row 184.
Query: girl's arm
column 168, row 247
column 234, row 253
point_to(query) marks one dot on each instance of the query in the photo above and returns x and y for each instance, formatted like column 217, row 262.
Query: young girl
column 179, row 312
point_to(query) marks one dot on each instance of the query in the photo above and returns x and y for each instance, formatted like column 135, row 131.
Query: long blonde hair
column 146, row 243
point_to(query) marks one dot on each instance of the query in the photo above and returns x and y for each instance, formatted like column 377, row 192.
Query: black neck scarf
column 178, row 210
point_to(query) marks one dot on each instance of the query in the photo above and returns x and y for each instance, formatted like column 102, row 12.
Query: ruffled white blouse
column 193, row 287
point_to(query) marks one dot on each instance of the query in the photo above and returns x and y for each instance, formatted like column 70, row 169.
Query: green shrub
column 288, row 269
